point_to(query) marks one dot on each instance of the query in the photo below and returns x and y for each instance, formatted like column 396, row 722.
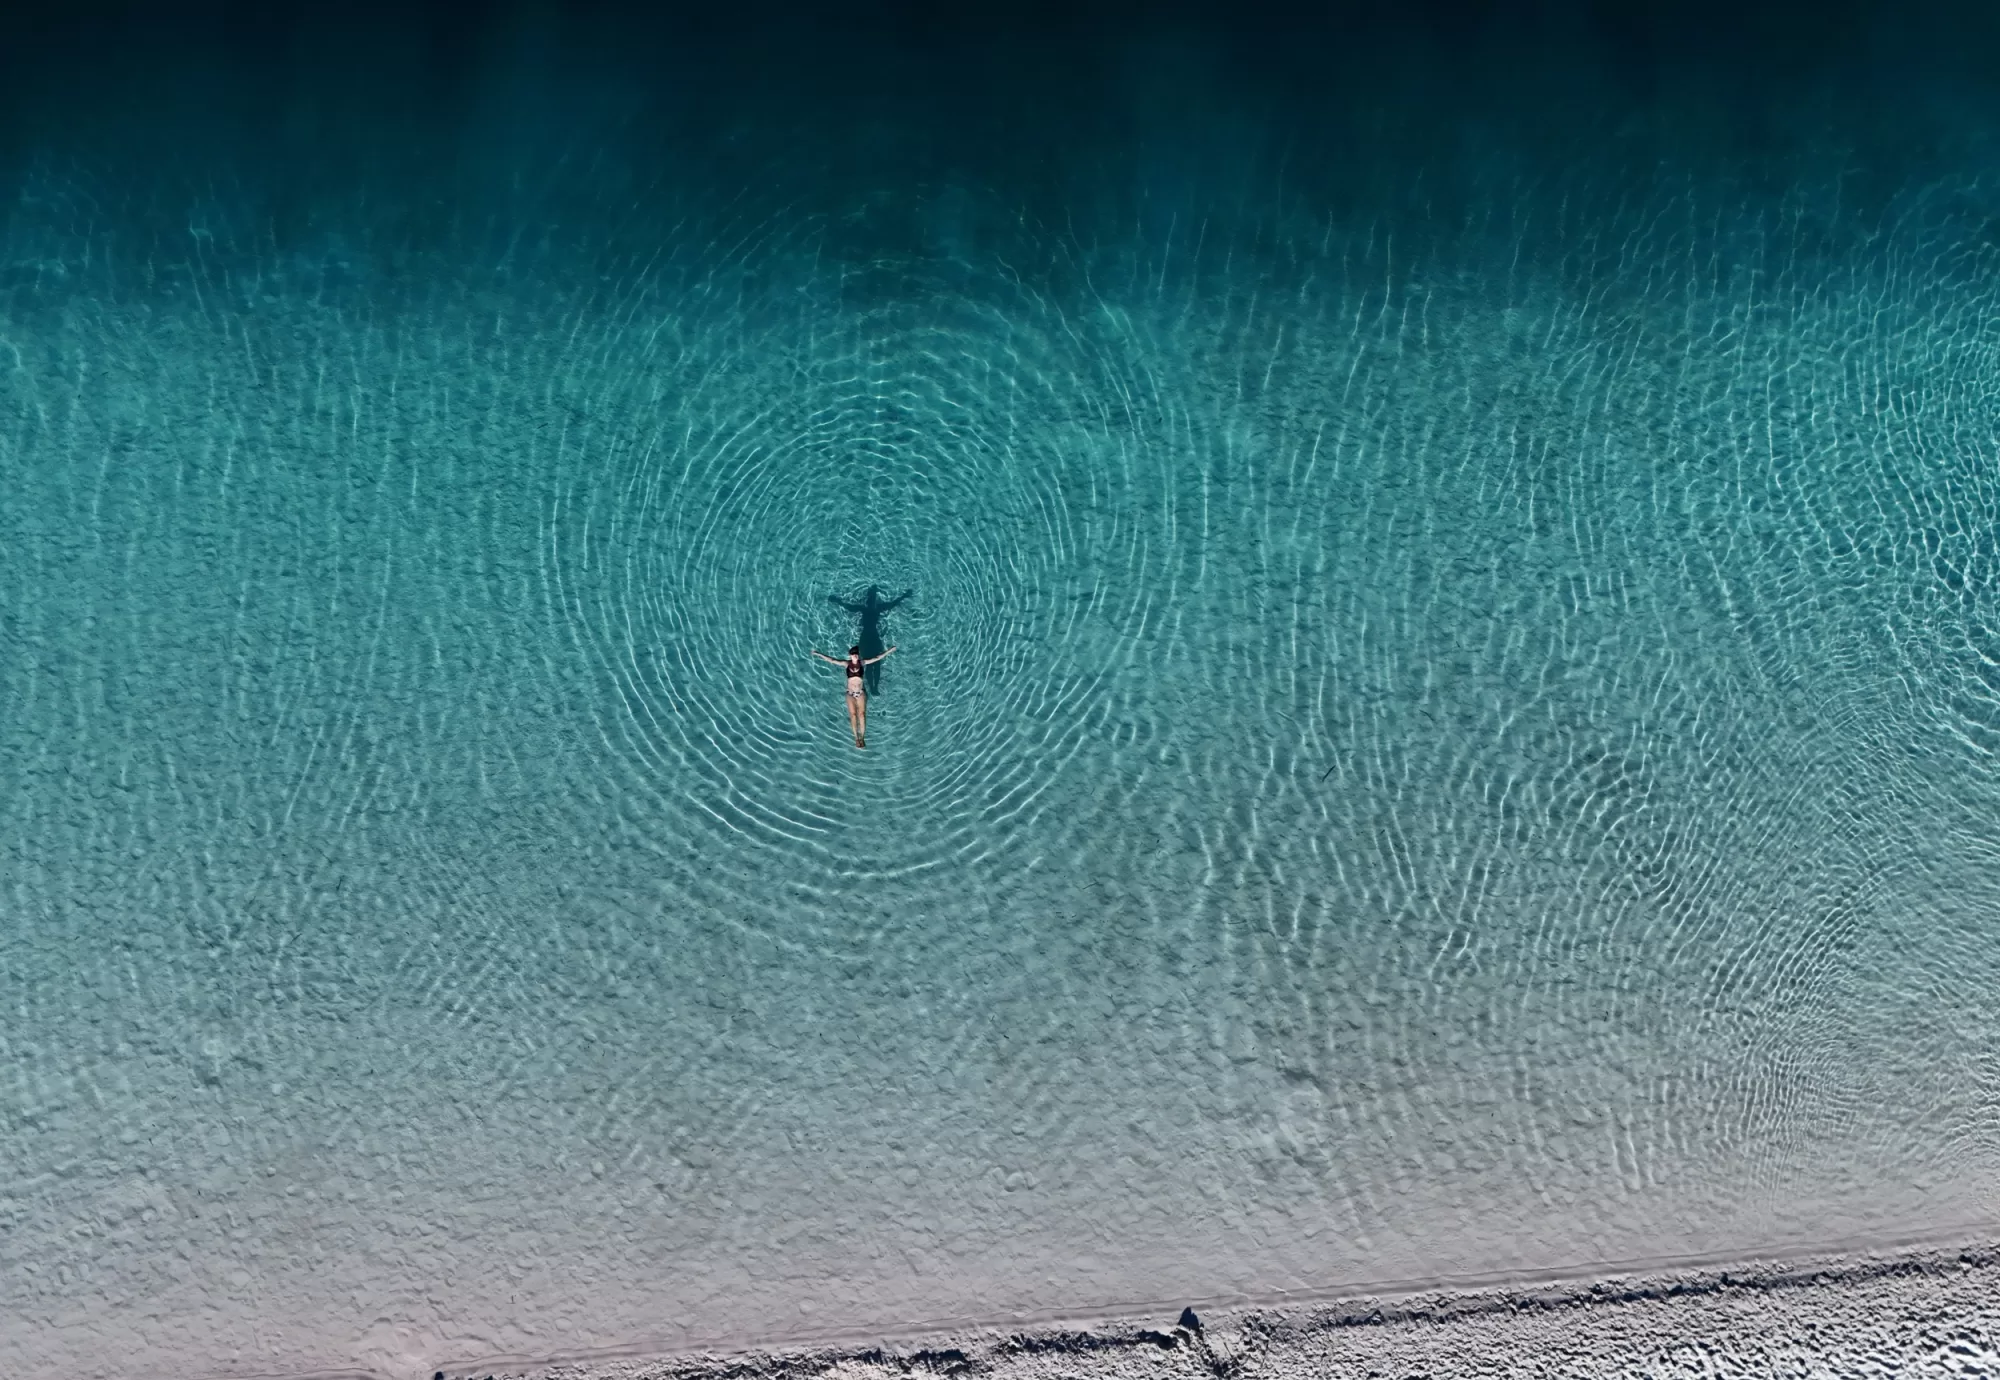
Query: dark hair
column 855, row 650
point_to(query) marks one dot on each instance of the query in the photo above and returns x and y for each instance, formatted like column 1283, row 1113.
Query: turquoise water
column 1429, row 738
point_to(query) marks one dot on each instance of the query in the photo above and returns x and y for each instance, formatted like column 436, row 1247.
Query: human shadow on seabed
column 869, row 609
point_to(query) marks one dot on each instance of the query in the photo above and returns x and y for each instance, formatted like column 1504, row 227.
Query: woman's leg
column 861, row 727
column 854, row 717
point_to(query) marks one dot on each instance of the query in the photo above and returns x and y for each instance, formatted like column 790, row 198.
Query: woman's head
column 855, row 650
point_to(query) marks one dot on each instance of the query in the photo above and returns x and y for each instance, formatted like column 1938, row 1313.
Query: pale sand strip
column 1921, row 1311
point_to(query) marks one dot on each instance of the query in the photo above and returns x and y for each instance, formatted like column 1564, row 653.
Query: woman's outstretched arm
column 831, row 661
column 873, row 659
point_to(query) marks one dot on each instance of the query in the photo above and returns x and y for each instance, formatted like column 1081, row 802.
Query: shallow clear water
column 1423, row 740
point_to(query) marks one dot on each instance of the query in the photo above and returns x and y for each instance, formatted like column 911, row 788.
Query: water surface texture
column 1444, row 717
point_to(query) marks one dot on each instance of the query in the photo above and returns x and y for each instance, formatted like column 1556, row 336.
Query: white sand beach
column 1920, row 1311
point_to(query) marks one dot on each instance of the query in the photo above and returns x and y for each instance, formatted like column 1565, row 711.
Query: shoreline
column 1916, row 1306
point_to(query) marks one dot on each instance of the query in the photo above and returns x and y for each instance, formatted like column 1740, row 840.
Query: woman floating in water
column 857, row 689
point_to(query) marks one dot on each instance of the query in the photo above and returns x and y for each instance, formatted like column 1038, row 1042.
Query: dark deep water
column 1445, row 714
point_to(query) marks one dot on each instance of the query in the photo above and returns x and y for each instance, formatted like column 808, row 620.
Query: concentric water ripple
column 958, row 454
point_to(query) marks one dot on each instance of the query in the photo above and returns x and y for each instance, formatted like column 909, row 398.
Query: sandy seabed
column 1920, row 1311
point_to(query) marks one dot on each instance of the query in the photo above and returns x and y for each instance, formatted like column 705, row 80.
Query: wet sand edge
column 1914, row 1305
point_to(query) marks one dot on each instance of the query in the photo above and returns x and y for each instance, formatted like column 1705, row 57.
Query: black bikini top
column 855, row 667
